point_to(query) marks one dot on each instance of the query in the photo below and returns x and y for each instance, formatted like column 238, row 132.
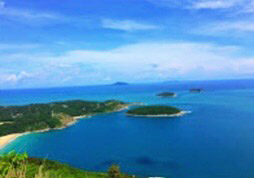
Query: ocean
column 215, row 140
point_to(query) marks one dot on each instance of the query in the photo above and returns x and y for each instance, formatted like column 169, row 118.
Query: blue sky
column 47, row 43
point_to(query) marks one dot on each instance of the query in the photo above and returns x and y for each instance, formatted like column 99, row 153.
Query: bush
column 114, row 172
column 13, row 165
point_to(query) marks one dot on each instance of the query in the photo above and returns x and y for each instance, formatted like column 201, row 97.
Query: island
column 155, row 111
column 18, row 120
column 167, row 94
column 196, row 90
column 120, row 84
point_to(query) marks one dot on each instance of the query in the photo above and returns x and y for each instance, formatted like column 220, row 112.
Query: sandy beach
column 182, row 113
column 4, row 140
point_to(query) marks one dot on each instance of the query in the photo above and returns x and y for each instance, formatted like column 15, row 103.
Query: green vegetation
column 20, row 119
column 114, row 171
column 166, row 94
column 13, row 165
column 153, row 111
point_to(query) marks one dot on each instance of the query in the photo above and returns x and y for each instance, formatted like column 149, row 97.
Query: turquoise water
column 215, row 140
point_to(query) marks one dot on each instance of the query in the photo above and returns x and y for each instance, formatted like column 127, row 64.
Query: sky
column 49, row 43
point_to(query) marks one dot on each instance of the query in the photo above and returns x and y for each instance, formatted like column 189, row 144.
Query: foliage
column 114, row 172
column 154, row 110
column 13, row 165
column 21, row 166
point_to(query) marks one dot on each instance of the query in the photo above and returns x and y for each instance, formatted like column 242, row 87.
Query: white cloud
column 244, row 26
column 169, row 3
column 227, row 28
column 2, row 4
column 137, row 63
column 176, row 60
column 13, row 78
column 5, row 46
column 214, row 4
column 236, row 6
column 25, row 14
column 249, row 8
column 127, row 25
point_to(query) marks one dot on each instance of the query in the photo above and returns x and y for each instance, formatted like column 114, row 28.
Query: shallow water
column 215, row 140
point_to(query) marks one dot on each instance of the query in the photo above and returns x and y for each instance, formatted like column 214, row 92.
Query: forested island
column 167, row 94
column 196, row 90
column 155, row 111
column 36, row 117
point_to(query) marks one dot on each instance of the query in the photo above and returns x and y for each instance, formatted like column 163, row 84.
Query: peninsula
column 167, row 94
column 156, row 111
column 18, row 120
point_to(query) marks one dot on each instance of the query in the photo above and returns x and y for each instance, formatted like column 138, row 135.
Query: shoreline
column 7, row 139
column 180, row 114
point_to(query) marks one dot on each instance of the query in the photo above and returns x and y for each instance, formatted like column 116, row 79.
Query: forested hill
column 20, row 119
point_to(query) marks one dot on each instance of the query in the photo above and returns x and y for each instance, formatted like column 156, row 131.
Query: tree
column 114, row 171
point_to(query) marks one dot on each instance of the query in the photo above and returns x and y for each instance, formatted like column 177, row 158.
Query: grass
column 57, row 170
column 13, row 165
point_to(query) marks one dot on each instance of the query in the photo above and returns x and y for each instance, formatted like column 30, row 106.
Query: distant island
column 120, row 83
column 17, row 120
column 156, row 111
column 167, row 94
column 196, row 90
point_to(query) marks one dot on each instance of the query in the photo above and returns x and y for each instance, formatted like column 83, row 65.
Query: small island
column 120, row 84
column 18, row 120
column 156, row 111
column 196, row 90
column 167, row 94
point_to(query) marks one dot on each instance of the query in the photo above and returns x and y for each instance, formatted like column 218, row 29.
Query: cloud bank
column 151, row 62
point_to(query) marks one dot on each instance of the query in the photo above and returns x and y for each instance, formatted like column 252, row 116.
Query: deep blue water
column 215, row 140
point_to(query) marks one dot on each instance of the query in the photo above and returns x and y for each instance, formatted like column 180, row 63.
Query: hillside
column 13, row 165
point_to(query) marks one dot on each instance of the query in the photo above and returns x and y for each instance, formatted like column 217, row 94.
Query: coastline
column 180, row 114
column 5, row 140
